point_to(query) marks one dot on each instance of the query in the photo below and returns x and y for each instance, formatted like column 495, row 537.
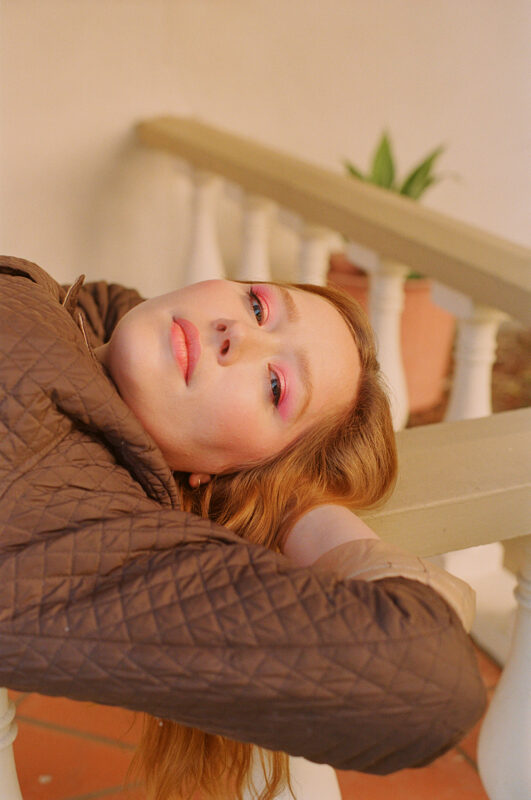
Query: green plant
column 382, row 172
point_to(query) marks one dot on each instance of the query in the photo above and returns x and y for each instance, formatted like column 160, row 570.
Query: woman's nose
column 236, row 340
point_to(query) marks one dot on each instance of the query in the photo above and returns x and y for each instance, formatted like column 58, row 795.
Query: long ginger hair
column 349, row 459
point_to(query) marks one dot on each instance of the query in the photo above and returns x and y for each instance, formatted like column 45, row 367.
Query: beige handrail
column 491, row 270
column 460, row 484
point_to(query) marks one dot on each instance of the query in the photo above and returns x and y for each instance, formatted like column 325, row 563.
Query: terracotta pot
column 427, row 332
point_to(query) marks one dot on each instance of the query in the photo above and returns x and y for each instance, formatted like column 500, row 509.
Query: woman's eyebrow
column 303, row 362
column 291, row 310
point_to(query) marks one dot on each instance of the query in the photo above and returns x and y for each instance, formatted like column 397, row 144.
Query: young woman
column 133, row 431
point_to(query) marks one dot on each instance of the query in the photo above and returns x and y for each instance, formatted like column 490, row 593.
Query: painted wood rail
column 460, row 484
column 493, row 271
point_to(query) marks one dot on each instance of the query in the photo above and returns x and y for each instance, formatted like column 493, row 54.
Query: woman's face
column 222, row 373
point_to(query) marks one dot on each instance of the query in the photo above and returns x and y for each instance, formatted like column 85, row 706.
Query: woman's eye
column 276, row 390
column 257, row 307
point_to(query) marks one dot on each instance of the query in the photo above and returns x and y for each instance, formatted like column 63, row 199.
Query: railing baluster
column 475, row 353
column 204, row 260
column 310, row 781
column 314, row 254
column 10, row 789
column 386, row 302
column 254, row 261
column 504, row 747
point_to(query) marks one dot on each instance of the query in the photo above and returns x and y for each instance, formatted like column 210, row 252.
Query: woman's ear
column 197, row 479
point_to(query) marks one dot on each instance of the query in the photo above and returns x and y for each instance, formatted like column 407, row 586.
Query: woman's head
column 225, row 374
column 225, row 393
column 346, row 457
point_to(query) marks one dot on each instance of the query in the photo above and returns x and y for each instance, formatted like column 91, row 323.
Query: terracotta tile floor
column 67, row 750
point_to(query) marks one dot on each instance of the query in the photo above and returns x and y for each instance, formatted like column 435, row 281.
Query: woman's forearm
column 322, row 529
column 194, row 624
column 333, row 539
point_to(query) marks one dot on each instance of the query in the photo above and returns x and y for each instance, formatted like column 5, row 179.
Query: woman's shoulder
column 19, row 272
column 36, row 326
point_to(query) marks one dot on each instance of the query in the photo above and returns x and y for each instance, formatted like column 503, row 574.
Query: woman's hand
column 320, row 530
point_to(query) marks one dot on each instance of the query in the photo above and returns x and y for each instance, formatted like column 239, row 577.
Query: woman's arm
column 333, row 539
column 202, row 627
column 321, row 529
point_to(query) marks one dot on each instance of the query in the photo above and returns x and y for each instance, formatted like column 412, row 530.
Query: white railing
column 462, row 483
column 8, row 730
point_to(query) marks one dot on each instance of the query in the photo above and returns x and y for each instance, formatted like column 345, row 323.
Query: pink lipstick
column 186, row 346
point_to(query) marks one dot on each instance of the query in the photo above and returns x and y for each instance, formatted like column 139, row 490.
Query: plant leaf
column 420, row 178
column 352, row 170
column 420, row 187
column 383, row 169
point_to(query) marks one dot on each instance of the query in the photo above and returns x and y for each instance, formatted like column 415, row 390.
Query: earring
column 198, row 483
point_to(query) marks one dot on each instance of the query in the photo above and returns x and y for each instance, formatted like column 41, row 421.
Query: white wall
column 318, row 79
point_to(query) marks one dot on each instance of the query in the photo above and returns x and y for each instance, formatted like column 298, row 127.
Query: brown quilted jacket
column 110, row 593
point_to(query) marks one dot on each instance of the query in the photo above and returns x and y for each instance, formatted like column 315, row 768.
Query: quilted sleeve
column 198, row 626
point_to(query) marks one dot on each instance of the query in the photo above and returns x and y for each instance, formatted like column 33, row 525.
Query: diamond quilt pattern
column 110, row 593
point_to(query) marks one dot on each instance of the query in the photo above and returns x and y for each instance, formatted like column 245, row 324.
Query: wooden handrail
column 460, row 484
column 491, row 270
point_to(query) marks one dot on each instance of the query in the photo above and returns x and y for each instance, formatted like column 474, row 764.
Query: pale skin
column 223, row 374
column 321, row 529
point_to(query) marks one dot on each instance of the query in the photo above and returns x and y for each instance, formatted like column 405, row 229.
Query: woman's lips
column 186, row 346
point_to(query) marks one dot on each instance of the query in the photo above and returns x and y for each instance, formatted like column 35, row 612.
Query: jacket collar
column 95, row 404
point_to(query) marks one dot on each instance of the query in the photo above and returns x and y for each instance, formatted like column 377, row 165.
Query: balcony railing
column 483, row 277
column 462, row 483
